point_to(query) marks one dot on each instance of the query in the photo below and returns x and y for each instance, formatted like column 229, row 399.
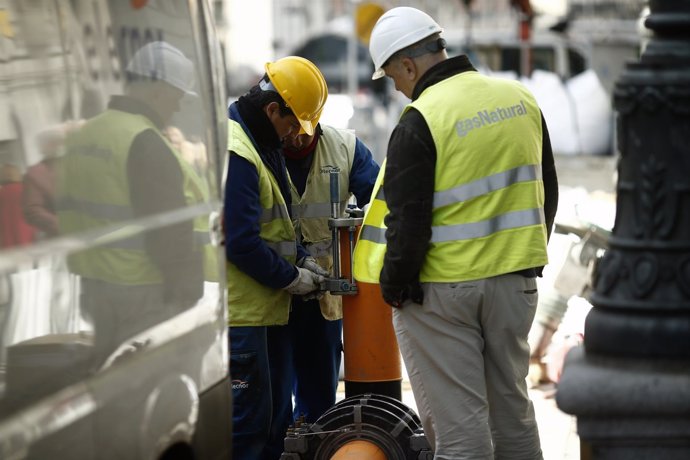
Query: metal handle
column 335, row 211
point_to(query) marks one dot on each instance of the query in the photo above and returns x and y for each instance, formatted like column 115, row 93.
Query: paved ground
column 557, row 430
column 593, row 173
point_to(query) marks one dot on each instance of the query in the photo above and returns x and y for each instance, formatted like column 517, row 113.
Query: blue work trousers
column 316, row 353
column 257, row 434
column 270, row 363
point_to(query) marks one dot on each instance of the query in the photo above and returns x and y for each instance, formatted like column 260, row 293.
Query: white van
column 113, row 332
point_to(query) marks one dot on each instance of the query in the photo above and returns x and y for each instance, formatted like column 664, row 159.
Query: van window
column 111, row 278
column 329, row 53
column 542, row 58
column 506, row 57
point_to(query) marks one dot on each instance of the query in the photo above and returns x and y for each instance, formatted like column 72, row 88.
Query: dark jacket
column 244, row 247
column 409, row 191
column 172, row 247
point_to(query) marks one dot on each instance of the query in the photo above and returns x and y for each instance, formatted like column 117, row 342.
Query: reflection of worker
column 472, row 192
column 14, row 230
column 119, row 166
column 315, row 326
column 261, row 244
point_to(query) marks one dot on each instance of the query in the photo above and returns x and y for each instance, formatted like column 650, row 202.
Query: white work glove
column 312, row 265
column 305, row 282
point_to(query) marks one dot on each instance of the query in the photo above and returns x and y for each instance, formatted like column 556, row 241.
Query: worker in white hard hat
column 266, row 265
column 119, row 165
column 458, row 237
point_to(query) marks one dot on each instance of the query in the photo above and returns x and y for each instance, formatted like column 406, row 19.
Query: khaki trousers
column 466, row 353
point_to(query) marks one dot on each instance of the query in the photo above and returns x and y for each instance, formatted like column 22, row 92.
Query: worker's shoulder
column 345, row 138
column 342, row 133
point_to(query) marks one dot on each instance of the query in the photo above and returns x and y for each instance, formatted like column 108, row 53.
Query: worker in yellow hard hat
column 265, row 262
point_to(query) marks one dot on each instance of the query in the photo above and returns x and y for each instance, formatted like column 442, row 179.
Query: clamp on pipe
column 339, row 285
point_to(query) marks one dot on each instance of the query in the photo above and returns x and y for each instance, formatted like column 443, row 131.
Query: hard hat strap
column 266, row 85
column 419, row 50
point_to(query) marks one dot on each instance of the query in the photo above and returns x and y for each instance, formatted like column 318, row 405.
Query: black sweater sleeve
column 550, row 179
column 409, row 191
column 156, row 185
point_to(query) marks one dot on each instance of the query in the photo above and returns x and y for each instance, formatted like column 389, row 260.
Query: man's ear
column 271, row 108
column 409, row 68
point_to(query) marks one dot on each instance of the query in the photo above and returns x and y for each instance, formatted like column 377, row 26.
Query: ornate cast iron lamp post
column 630, row 385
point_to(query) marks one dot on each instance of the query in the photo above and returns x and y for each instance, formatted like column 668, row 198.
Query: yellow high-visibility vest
column 488, row 216
column 250, row 303
column 371, row 244
column 93, row 192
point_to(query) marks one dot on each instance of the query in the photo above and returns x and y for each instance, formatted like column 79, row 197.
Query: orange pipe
column 370, row 347
column 359, row 450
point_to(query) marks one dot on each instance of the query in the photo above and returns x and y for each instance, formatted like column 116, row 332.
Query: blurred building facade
column 267, row 29
column 565, row 38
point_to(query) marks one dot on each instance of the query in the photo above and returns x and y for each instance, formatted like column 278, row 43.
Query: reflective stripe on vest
column 102, row 211
column 312, row 211
column 284, row 249
column 251, row 303
column 507, row 221
column 276, row 212
column 484, row 186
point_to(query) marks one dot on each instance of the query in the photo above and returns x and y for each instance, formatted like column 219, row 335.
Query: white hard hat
column 397, row 29
column 160, row 61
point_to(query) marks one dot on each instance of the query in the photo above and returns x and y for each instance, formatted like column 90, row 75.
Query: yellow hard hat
column 301, row 85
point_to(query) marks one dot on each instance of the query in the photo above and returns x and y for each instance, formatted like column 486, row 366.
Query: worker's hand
column 312, row 265
column 306, row 282
column 395, row 296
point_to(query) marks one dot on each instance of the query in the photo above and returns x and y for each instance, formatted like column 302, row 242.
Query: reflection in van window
column 113, row 322
column 119, row 166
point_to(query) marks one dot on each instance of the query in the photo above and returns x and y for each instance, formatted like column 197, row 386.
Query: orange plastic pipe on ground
column 359, row 450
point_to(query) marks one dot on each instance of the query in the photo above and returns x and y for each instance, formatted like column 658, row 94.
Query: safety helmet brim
column 379, row 73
